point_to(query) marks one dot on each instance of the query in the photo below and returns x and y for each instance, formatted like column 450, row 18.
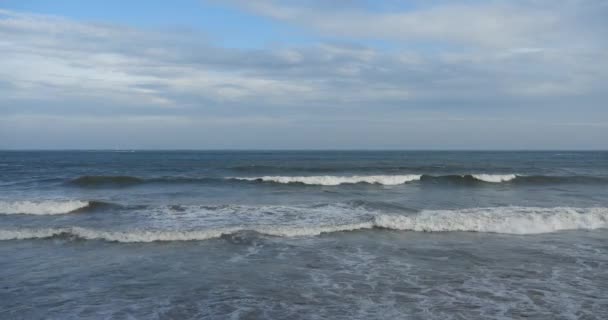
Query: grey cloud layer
column 530, row 66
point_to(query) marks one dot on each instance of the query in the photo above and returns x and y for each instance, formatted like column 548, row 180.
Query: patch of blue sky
column 223, row 25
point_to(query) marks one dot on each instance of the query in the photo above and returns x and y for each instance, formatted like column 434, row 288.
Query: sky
column 308, row 74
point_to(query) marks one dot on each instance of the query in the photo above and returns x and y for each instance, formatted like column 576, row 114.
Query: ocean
column 303, row 235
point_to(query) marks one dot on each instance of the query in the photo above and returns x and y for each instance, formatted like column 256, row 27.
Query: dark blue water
column 303, row 235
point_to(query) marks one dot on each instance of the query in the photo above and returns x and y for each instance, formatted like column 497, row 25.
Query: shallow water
column 303, row 235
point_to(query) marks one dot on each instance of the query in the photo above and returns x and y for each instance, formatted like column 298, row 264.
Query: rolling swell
column 563, row 179
column 472, row 179
column 506, row 220
column 335, row 180
column 92, row 181
column 363, row 169
column 127, row 181
column 96, row 206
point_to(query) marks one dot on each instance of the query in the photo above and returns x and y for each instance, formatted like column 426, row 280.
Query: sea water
column 303, row 235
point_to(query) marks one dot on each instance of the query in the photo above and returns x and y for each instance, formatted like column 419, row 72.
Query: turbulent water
column 303, row 235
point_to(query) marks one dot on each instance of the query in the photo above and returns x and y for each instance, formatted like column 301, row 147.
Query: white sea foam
column 295, row 231
column 509, row 220
column 373, row 179
column 338, row 180
column 172, row 235
column 118, row 236
column 43, row 207
column 494, row 178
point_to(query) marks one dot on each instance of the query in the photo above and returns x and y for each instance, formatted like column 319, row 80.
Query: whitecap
column 42, row 207
column 507, row 220
column 337, row 180
column 510, row 220
column 494, row 178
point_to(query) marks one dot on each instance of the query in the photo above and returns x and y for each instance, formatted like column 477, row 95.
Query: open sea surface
column 303, row 235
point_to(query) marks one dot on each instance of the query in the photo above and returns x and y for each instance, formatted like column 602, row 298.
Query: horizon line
column 298, row 149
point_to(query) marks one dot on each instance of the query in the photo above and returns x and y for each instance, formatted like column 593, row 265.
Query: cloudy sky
column 266, row 74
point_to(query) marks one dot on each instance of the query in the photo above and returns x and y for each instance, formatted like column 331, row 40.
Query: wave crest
column 43, row 207
column 379, row 179
column 494, row 178
column 337, row 180
column 171, row 235
column 508, row 220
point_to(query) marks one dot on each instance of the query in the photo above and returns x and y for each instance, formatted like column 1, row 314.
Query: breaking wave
column 379, row 179
column 336, row 180
column 115, row 236
column 508, row 220
column 494, row 178
column 464, row 179
column 44, row 207
column 173, row 235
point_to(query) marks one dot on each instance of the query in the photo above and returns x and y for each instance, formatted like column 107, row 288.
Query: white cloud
column 496, row 24
column 503, row 58
column 46, row 57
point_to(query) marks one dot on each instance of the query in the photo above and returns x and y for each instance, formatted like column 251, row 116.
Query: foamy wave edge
column 494, row 178
column 336, row 180
column 507, row 220
column 43, row 207
column 160, row 235
column 388, row 180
